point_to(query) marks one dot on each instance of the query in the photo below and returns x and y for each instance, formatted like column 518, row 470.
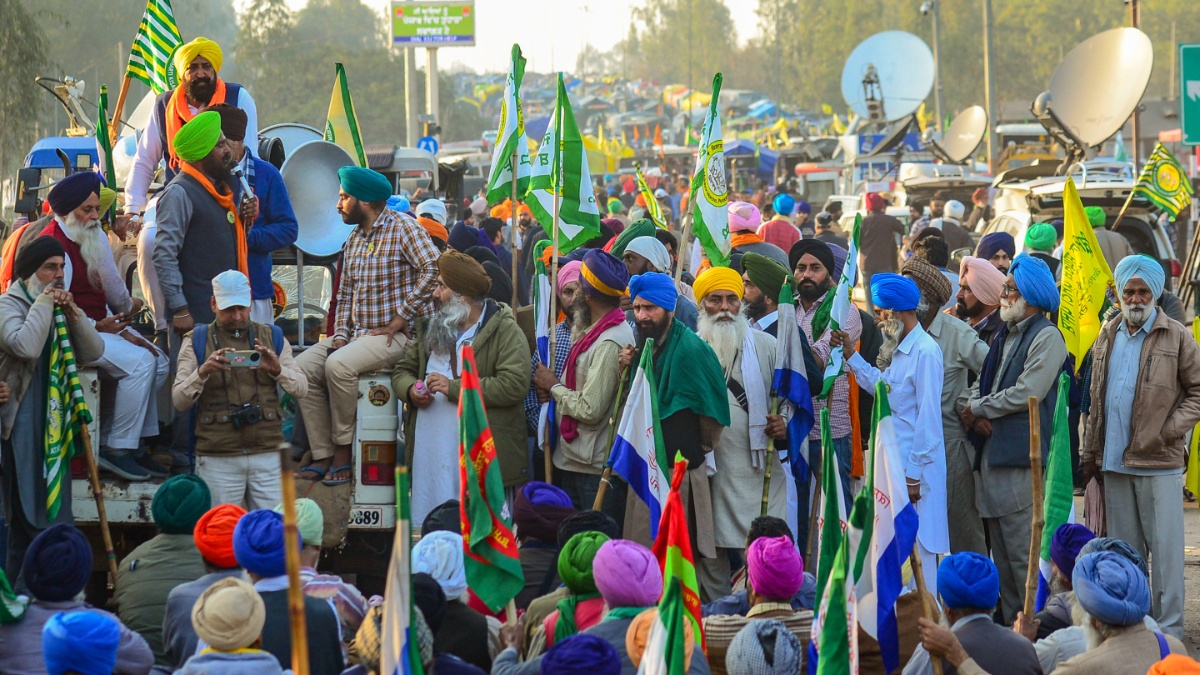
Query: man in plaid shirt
column 388, row 272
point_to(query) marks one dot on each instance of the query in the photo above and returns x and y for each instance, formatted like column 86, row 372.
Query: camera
column 245, row 415
column 243, row 358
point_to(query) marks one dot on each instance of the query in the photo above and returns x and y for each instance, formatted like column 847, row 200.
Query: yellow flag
column 826, row 109
column 341, row 125
column 1085, row 278
column 1192, row 481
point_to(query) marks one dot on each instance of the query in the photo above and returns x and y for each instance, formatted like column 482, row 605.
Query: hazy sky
column 551, row 32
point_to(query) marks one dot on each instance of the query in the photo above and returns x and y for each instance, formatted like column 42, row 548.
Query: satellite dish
column 292, row 134
column 893, row 67
column 962, row 137
column 310, row 175
column 1095, row 89
column 895, row 139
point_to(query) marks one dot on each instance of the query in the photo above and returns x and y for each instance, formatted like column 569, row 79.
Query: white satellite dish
column 888, row 76
column 962, row 137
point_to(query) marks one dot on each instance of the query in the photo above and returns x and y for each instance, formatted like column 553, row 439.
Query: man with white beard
column 739, row 458
column 1145, row 395
column 1024, row 360
column 138, row 367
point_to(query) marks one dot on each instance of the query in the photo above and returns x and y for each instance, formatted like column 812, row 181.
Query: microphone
column 247, row 193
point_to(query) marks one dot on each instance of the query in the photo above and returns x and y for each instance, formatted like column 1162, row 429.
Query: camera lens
column 255, row 357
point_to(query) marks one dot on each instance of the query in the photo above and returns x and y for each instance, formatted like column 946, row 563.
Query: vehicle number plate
column 366, row 516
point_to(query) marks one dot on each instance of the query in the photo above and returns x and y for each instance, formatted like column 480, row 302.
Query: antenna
column 962, row 137
column 893, row 67
column 1094, row 90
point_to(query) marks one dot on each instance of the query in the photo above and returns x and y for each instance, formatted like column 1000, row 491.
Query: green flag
column 510, row 139
column 66, row 413
column 1059, row 500
column 104, row 143
column 665, row 652
column 832, row 516
column 835, row 309
column 1165, row 182
column 156, row 41
column 653, row 209
column 835, row 625
column 490, row 558
column 710, row 191
column 561, row 168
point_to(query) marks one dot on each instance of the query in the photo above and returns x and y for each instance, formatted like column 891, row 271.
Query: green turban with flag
column 638, row 228
column 765, row 273
column 198, row 137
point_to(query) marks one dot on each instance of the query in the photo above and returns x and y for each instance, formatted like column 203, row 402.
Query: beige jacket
column 1131, row 651
column 1113, row 246
column 1166, row 402
column 189, row 385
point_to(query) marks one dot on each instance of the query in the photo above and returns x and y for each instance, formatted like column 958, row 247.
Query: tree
column 22, row 56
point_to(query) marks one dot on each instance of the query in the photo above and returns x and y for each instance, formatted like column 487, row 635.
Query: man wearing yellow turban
column 197, row 64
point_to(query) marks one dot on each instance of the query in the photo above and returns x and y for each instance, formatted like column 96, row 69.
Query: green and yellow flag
column 1085, row 278
column 653, row 208
column 66, row 413
column 1164, row 182
column 341, row 124
column 156, row 41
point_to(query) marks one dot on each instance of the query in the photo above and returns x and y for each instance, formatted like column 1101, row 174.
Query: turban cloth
column 603, row 274
column 399, row 204
column 1041, row 237
column 524, row 208
column 627, row 574
column 440, row 555
column 639, row 632
column 783, row 204
column 1095, row 216
column 108, row 197
column 656, row 288
column 1111, row 588
column 83, row 642
column 258, row 543
column 718, row 279
column 894, row 292
column 1035, row 281
column 310, row 521
column 479, row 207
column 365, row 185
column 934, row 285
column 1057, row 224
column 482, row 254
column 875, row 202
column 582, row 655
column 179, row 503
column 993, row 243
column 435, row 229
column 1143, row 266
column 984, row 280
column 1116, row 546
column 743, row 216
column 576, row 558
column 638, row 228
column 463, row 275
column 503, row 210
column 1065, row 545
column 201, row 46
column 764, row 647
column 640, row 200
column 430, row 599
column 814, row 247
column 71, row 192
column 765, row 273
column 462, row 237
column 57, row 563
column 368, row 639
column 653, row 250
column 628, row 186
column 803, row 207
column 501, row 290
column 774, row 567
column 568, row 273
column 615, row 205
column 587, row 521
column 482, row 239
column 229, row 615
column 445, row 516
column 32, row 257
column 839, row 261
column 200, row 135
column 968, row 579
column 233, row 120
column 954, row 210
column 614, row 224
column 1175, row 664
column 779, row 233
column 213, row 534
column 539, row 509
column 436, row 209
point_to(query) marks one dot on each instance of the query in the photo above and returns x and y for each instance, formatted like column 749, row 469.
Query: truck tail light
column 378, row 463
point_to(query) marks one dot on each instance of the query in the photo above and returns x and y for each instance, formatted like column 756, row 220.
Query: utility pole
column 989, row 90
column 937, row 67
column 410, row 97
column 1135, row 20
column 431, row 83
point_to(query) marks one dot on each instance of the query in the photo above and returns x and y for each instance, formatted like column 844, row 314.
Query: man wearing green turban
column 348, row 602
column 638, row 228
column 146, row 576
column 1040, row 241
column 763, row 279
column 583, row 607
column 1114, row 246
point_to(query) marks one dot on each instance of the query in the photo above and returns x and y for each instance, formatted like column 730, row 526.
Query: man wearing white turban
column 1145, row 396
column 440, row 555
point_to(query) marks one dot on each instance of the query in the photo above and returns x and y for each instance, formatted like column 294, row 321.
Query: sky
column 551, row 32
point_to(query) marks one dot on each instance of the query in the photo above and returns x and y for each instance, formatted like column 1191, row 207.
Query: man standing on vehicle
column 877, row 242
column 1145, row 399
column 389, row 272
column 229, row 372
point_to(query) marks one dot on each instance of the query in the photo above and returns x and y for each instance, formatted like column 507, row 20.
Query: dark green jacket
column 144, row 580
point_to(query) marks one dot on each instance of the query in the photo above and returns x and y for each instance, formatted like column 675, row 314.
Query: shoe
column 122, row 465
column 152, row 467
column 1079, row 492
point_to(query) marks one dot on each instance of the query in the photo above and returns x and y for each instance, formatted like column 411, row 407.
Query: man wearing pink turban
column 978, row 299
column 744, row 220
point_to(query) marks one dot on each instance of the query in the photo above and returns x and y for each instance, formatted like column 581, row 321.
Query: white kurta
column 915, row 393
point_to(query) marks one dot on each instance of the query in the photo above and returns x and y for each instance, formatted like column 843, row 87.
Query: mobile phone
column 243, row 358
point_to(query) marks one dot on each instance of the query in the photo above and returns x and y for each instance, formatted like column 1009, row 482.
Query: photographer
column 235, row 397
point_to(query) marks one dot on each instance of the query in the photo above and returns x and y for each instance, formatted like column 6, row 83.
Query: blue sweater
column 273, row 229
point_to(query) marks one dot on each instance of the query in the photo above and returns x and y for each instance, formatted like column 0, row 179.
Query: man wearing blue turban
column 1024, row 361
column 1145, row 396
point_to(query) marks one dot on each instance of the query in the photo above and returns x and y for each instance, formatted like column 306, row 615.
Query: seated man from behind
column 81, row 643
column 538, row 510
column 229, row 617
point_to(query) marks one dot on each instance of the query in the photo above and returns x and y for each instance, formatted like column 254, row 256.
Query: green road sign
column 1189, row 93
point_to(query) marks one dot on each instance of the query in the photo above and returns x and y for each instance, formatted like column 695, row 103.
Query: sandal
column 309, row 469
column 329, row 482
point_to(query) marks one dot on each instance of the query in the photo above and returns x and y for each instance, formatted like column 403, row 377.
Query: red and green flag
column 492, row 564
column 666, row 648
column 673, row 548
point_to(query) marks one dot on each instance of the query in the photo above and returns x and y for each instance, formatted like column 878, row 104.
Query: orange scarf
column 178, row 114
column 743, row 238
column 226, row 202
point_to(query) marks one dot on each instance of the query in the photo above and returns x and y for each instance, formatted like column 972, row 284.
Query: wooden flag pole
column 684, row 249
column 512, row 225
column 1124, row 208
column 930, row 612
column 114, row 129
column 812, row 514
column 110, row 555
column 547, row 452
column 1039, row 516
column 612, row 435
column 291, row 534
column 767, row 472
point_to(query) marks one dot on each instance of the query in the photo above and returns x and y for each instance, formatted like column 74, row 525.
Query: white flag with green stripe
column 510, row 138
column 835, row 310
column 710, row 191
column 560, row 166
column 156, row 41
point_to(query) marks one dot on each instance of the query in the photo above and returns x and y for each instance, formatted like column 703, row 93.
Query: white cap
column 435, row 208
column 954, row 209
column 659, row 193
column 231, row 288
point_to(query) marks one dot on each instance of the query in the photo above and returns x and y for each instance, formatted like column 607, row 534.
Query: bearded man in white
column 138, row 368
column 738, row 461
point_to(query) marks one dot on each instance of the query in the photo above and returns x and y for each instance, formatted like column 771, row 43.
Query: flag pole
column 110, row 555
column 1124, row 207
column 548, row 453
column 683, row 247
column 767, row 473
column 613, row 420
column 512, row 226
column 291, row 534
column 1039, row 516
column 114, row 129
column 919, row 576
